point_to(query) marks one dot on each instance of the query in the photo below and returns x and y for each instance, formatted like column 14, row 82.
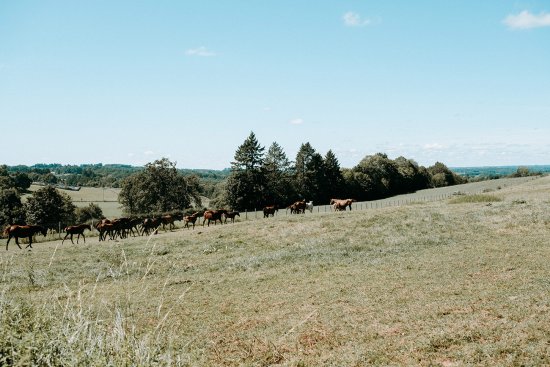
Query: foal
column 78, row 230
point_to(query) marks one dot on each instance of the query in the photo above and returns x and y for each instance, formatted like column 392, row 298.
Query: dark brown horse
column 298, row 207
column 231, row 215
column 170, row 219
column 78, row 230
column 270, row 210
column 213, row 215
column 24, row 231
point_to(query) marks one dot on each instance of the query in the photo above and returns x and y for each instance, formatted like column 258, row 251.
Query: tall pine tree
column 245, row 184
column 278, row 175
column 333, row 176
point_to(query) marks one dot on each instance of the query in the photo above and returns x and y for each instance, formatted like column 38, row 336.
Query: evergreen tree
column 278, row 176
column 246, row 183
column 249, row 155
column 301, row 175
column 333, row 176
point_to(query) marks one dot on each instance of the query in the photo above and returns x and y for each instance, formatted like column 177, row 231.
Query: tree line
column 259, row 177
column 47, row 206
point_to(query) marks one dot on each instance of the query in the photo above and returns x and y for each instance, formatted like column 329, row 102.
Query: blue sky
column 466, row 82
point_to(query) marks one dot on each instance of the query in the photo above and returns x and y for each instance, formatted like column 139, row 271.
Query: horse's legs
column 9, row 238
column 17, row 242
column 30, row 242
column 82, row 237
column 64, row 238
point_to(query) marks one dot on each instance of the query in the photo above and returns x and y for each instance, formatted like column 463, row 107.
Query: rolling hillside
column 450, row 282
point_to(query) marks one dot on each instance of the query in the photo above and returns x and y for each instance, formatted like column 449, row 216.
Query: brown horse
column 231, row 215
column 341, row 204
column 270, row 210
column 170, row 219
column 190, row 219
column 78, row 230
column 298, row 207
column 25, row 231
column 213, row 215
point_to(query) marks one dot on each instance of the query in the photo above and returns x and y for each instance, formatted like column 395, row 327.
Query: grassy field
column 446, row 283
column 105, row 198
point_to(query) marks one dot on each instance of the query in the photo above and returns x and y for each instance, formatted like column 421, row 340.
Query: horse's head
column 43, row 230
column 89, row 227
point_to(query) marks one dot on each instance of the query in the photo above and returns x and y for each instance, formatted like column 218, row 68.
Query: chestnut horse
column 213, row 215
column 78, row 230
column 25, row 231
column 190, row 219
column 341, row 204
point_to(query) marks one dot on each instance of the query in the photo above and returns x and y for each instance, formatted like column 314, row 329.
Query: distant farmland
column 105, row 198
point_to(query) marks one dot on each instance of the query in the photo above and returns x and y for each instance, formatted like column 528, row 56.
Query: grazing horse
column 309, row 206
column 170, row 219
column 341, row 204
column 270, row 210
column 25, row 231
column 78, row 230
column 190, row 219
column 213, row 215
column 298, row 207
column 231, row 215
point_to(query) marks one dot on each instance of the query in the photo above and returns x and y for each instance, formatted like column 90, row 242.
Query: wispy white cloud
column 433, row 146
column 148, row 152
column 527, row 20
column 200, row 51
column 353, row 19
column 297, row 121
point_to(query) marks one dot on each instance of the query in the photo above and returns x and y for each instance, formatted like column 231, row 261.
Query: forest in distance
column 111, row 175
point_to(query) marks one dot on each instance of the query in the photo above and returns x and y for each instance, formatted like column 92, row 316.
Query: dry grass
column 424, row 284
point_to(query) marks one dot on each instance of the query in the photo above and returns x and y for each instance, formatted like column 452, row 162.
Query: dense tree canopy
column 159, row 188
column 89, row 213
column 257, row 180
column 50, row 208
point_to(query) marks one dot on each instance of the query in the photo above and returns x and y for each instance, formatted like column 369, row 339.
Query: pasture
column 443, row 282
column 105, row 198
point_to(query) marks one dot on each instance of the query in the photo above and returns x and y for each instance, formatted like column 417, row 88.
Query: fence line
column 407, row 199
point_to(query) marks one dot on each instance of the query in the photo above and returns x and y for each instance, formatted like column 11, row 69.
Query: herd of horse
column 124, row 227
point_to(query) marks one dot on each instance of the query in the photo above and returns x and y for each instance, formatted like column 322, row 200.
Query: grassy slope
column 422, row 284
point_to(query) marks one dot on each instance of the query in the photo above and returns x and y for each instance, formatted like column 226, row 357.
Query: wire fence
column 422, row 196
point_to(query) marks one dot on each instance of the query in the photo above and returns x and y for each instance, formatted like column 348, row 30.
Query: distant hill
column 498, row 171
column 99, row 175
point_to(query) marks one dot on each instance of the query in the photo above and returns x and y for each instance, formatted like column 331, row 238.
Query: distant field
column 430, row 283
column 106, row 199
column 497, row 170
